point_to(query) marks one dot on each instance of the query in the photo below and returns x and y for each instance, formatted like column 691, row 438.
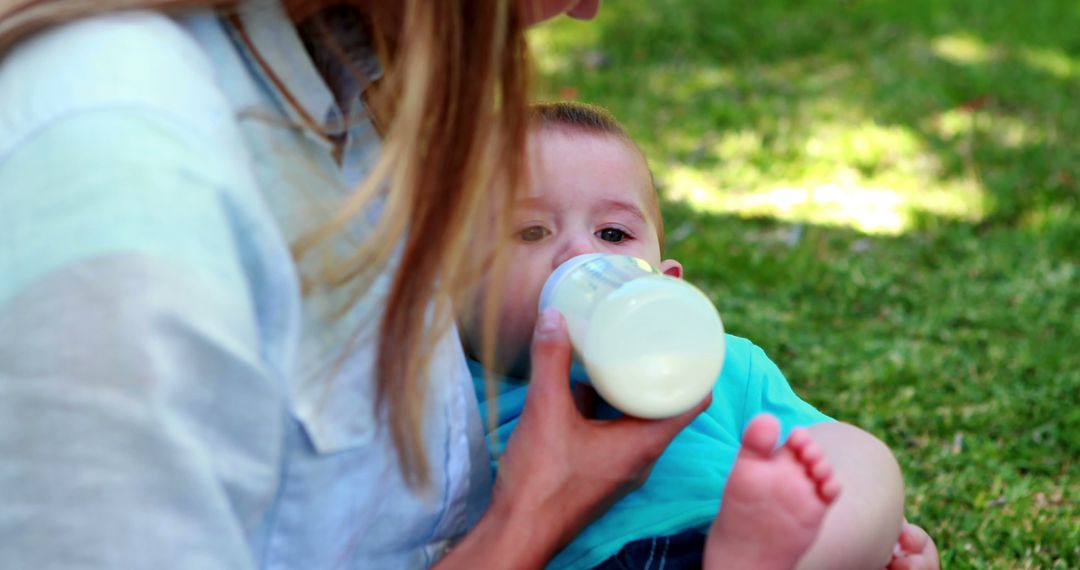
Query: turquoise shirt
column 168, row 398
column 685, row 486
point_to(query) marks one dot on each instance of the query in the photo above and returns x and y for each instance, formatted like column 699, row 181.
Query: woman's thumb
column 550, row 355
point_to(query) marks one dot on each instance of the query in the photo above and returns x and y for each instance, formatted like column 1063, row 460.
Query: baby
column 722, row 495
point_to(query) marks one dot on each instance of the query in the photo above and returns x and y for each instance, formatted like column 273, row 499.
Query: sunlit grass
column 963, row 48
column 845, row 201
column 838, row 166
column 549, row 56
column 1052, row 61
column 866, row 176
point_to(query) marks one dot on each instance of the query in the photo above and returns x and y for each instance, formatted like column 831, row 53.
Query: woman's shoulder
column 137, row 61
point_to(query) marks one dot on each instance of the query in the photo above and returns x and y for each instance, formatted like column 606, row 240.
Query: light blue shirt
column 168, row 398
column 686, row 483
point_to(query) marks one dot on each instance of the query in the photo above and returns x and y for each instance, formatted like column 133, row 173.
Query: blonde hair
column 452, row 109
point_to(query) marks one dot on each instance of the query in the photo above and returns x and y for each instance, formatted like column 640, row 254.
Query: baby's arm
column 863, row 524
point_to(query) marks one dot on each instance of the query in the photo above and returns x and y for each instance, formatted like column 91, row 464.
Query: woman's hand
column 563, row 466
column 915, row 550
column 560, row 469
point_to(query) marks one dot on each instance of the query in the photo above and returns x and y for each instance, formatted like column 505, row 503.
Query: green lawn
column 886, row 197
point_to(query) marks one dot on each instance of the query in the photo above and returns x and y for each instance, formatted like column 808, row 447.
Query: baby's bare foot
column 774, row 501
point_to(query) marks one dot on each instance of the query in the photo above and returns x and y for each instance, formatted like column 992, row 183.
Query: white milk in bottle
column 652, row 345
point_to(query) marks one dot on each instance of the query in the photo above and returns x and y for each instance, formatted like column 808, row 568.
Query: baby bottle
column 651, row 344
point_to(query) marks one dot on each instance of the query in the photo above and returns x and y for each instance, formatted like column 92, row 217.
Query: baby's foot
column 774, row 502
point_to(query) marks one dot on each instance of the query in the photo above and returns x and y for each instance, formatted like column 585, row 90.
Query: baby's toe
column 820, row 471
column 761, row 434
column 810, row 452
column 798, row 439
column 829, row 489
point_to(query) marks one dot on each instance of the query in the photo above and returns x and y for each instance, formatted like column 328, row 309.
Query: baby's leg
column 774, row 501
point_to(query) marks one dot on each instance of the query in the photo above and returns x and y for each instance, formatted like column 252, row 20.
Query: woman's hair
column 452, row 109
column 595, row 120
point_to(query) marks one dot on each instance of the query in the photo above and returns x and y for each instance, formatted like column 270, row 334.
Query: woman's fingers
column 549, row 391
column 549, row 378
column 655, row 435
column 634, row 444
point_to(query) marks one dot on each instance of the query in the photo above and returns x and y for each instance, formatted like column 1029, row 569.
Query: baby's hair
column 593, row 119
column 589, row 118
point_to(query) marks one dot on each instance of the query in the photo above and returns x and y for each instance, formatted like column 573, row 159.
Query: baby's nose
column 573, row 248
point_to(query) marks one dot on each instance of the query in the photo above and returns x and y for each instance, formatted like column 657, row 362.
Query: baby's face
column 588, row 193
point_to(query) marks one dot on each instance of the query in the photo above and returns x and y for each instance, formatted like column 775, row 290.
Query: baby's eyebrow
column 608, row 204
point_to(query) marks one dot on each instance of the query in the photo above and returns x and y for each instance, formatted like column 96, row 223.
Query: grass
column 885, row 196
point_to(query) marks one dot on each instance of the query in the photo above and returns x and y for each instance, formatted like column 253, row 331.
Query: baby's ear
column 671, row 268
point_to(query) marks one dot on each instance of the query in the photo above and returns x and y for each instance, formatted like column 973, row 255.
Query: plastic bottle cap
column 561, row 271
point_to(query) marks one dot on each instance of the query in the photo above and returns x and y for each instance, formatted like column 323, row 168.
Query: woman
column 193, row 289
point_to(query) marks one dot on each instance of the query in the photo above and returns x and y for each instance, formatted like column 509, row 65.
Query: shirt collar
column 267, row 35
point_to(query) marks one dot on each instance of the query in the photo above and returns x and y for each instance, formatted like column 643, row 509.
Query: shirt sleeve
column 768, row 391
column 140, row 425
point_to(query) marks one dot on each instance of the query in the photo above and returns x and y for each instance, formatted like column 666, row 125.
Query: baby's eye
column 613, row 235
column 534, row 233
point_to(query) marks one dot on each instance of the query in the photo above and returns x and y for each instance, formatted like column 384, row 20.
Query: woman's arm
column 139, row 423
column 508, row 536
column 560, row 469
column 863, row 524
